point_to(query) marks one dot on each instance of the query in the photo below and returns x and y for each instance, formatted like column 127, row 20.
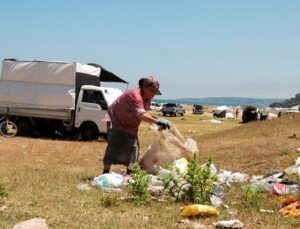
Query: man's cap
column 151, row 82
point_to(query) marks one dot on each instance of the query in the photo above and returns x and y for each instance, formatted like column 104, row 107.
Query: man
column 125, row 116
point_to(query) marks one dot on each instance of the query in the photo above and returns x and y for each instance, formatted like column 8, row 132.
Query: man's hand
column 164, row 124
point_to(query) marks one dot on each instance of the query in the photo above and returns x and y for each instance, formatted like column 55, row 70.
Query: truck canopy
column 47, row 84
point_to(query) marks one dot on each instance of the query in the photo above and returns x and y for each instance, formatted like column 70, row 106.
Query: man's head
column 150, row 87
column 150, row 83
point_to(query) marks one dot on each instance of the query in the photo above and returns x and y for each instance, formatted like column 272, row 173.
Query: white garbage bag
column 109, row 180
column 168, row 146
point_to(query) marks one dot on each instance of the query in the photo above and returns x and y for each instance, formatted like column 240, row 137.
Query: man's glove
column 163, row 123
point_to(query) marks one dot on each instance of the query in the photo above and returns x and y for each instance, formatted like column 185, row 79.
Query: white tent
column 224, row 112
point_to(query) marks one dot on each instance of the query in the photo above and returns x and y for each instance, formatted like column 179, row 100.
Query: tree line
column 288, row 102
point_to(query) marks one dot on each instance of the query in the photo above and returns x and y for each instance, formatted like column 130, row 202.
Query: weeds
column 298, row 178
column 2, row 190
column 200, row 181
column 109, row 201
column 193, row 186
column 139, row 185
column 251, row 197
column 284, row 152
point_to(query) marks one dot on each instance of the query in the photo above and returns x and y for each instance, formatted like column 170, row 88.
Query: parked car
column 172, row 109
column 198, row 109
column 155, row 106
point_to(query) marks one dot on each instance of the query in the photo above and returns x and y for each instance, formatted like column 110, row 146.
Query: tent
column 223, row 112
column 106, row 76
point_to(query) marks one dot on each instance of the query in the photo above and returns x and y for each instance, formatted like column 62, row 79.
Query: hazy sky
column 195, row 48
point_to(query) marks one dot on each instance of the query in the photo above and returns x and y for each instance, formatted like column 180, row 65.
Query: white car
column 155, row 106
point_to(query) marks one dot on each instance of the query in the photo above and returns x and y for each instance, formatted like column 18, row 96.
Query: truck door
column 91, row 106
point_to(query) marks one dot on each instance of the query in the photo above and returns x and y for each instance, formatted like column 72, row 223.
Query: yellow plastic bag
column 199, row 209
column 292, row 210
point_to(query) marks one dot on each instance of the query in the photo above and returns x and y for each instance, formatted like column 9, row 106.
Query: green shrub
column 139, row 185
column 193, row 186
column 109, row 201
column 199, row 180
column 251, row 197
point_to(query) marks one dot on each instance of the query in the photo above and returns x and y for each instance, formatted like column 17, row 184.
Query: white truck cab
column 92, row 105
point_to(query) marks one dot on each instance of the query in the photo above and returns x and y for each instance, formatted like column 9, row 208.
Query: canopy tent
column 223, row 112
column 106, row 76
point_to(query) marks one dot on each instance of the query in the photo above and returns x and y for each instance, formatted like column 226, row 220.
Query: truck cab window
column 94, row 97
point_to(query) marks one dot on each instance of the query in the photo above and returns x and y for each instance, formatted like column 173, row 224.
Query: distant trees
column 288, row 102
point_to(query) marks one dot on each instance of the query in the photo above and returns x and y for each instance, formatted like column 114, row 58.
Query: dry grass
column 41, row 175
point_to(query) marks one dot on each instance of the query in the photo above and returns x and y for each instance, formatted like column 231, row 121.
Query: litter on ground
column 199, row 209
column 167, row 147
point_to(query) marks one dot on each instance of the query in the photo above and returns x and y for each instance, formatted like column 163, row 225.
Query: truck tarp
column 44, row 84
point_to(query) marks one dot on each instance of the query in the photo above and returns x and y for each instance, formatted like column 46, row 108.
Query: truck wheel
column 89, row 132
column 175, row 114
column 24, row 128
column 164, row 114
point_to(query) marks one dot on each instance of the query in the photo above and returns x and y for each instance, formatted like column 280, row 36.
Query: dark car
column 198, row 109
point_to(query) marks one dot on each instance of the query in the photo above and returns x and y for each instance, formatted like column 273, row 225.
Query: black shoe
column 105, row 171
column 129, row 171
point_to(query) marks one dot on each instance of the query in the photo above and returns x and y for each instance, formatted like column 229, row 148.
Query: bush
column 199, row 180
column 193, row 186
column 109, row 201
column 139, row 185
column 251, row 197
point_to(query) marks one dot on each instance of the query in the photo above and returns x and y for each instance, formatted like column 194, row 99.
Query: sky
column 195, row 48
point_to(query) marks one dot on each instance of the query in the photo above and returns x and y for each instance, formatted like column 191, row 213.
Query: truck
column 54, row 97
column 198, row 109
column 173, row 109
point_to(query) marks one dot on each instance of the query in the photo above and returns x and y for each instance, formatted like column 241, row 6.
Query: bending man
column 125, row 116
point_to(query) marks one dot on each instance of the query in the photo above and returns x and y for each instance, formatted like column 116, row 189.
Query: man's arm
column 146, row 117
column 162, row 123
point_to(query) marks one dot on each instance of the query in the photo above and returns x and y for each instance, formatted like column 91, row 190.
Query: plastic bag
column 292, row 210
column 228, row 177
column 109, row 180
column 282, row 189
column 168, row 146
column 234, row 223
column 295, row 169
column 286, row 200
column 180, row 164
column 199, row 209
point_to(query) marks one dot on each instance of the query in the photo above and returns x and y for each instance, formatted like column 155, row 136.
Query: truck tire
column 8, row 128
column 89, row 132
column 24, row 128
column 164, row 113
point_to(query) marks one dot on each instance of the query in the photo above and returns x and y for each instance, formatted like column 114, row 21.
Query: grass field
column 41, row 176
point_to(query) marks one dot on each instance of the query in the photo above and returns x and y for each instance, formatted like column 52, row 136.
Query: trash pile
column 274, row 183
column 172, row 149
